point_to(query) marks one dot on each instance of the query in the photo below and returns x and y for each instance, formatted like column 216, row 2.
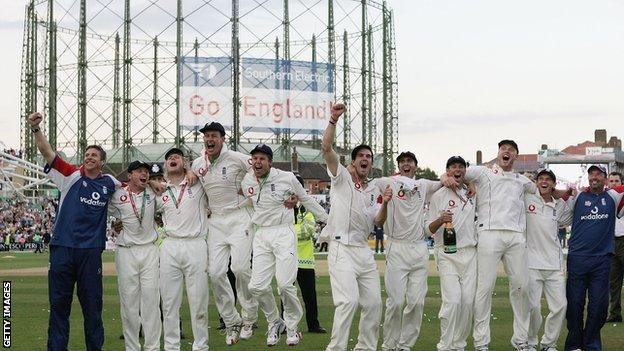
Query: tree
column 426, row 173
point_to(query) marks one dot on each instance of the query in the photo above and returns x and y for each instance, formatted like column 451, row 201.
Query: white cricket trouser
column 553, row 283
column 510, row 247
column 184, row 260
column 354, row 280
column 406, row 285
column 458, row 282
column 137, row 277
column 275, row 253
column 230, row 236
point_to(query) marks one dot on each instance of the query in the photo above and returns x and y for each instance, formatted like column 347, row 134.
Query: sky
column 470, row 74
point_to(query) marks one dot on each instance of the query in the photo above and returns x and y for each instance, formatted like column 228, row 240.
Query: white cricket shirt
column 184, row 210
column 500, row 198
column 222, row 179
column 268, row 194
column 463, row 209
column 136, row 212
column 406, row 210
column 353, row 209
column 542, row 233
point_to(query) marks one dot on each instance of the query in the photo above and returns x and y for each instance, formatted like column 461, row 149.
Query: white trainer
column 232, row 334
column 246, row 331
column 293, row 336
column 275, row 330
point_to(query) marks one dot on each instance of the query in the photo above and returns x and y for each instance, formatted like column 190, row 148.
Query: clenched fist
column 336, row 111
column 34, row 119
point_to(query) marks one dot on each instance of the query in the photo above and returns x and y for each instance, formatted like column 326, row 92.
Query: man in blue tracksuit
column 591, row 248
column 78, row 240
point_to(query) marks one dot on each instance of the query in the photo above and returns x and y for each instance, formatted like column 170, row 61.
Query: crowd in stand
column 13, row 152
column 24, row 222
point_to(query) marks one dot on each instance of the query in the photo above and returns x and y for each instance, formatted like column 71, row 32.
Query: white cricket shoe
column 549, row 348
column 232, row 334
column 293, row 336
column 275, row 330
column 246, row 331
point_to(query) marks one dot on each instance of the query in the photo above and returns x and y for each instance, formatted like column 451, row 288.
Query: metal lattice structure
column 107, row 71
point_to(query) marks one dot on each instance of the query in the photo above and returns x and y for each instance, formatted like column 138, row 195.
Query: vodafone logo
column 165, row 198
column 94, row 200
column 250, row 190
column 202, row 171
column 531, row 208
column 123, row 198
column 358, row 185
column 452, row 204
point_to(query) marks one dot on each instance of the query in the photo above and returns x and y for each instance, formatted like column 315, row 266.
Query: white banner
column 260, row 108
column 275, row 94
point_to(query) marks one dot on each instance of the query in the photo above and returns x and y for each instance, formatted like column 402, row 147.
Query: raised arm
column 43, row 145
column 330, row 156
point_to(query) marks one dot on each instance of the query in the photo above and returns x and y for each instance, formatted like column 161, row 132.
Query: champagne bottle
column 450, row 238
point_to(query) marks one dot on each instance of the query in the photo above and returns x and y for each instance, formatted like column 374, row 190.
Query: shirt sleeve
column 431, row 213
column 617, row 193
column 59, row 170
column 530, row 187
column 117, row 183
column 341, row 175
column 473, row 173
column 309, row 202
column 564, row 214
column 431, row 186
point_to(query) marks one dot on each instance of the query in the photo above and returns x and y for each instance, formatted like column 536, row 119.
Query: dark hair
column 616, row 174
column 358, row 149
column 98, row 148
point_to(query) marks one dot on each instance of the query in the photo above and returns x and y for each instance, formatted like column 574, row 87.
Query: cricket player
column 407, row 257
column 591, row 249
column 221, row 172
column 544, row 216
column 458, row 271
column 136, row 259
column 183, row 254
column 501, row 223
column 275, row 242
column 78, row 241
column 352, row 269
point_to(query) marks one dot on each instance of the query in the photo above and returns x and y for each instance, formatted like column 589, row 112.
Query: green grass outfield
column 30, row 315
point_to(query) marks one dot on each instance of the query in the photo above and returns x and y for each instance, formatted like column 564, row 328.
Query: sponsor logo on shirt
column 123, row 198
column 94, row 200
column 452, row 204
column 531, row 208
column 594, row 215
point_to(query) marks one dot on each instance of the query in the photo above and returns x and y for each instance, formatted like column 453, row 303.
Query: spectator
column 379, row 239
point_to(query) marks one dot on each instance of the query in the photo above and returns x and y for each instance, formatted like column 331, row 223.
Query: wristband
column 332, row 122
column 35, row 130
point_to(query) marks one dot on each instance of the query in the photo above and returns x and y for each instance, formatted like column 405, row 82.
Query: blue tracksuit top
column 593, row 223
column 82, row 214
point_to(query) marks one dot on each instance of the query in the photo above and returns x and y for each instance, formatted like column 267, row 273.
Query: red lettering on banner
column 213, row 108
column 247, row 106
column 196, row 105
